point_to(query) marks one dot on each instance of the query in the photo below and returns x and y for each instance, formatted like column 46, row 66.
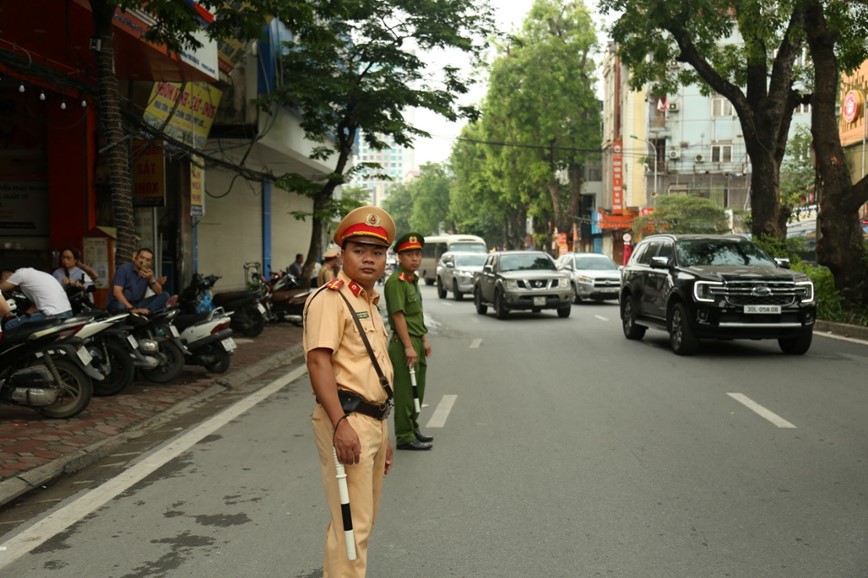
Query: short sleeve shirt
column 403, row 295
column 135, row 287
column 42, row 289
column 328, row 324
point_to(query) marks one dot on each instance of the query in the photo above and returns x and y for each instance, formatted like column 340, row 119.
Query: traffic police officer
column 409, row 346
column 338, row 359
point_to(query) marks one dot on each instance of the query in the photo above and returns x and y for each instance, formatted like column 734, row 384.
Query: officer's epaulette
column 335, row 284
column 410, row 277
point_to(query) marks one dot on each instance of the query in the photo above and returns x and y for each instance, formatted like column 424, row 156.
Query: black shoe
column 423, row 438
column 415, row 445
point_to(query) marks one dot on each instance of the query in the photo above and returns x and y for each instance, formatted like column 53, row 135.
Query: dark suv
column 715, row 286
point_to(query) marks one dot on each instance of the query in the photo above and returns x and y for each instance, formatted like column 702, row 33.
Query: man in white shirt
column 47, row 296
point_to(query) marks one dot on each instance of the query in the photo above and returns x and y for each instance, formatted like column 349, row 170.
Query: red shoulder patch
column 335, row 284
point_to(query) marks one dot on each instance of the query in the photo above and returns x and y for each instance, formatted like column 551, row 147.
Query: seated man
column 47, row 296
column 131, row 281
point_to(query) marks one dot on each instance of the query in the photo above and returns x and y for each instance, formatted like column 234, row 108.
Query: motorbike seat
column 184, row 321
column 232, row 296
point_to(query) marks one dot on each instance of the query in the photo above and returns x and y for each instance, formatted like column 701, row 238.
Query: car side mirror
column 782, row 262
column 659, row 262
column 450, row 265
column 487, row 269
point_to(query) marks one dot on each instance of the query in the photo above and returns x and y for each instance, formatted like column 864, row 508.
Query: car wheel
column 500, row 309
column 575, row 294
column 441, row 290
column 681, row 335
column 798, row 345
column 628, row 319
column 456, row 294
column 564, row 312
column 481, row 308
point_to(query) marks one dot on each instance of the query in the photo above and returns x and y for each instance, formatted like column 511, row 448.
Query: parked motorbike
column 284, row 298
column 248, row 314
column 160, row 345
column 208, row 337
column 43, row 366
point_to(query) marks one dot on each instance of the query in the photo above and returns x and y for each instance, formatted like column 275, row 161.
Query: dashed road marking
column 475, row 343
column 601, row 318
column 761, row 411
column 438, row 419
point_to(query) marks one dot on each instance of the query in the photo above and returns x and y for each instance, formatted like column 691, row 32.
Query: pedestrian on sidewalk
column 409, row 345
column 132, row 281
column 331, row 264
column 353, row 403
column 47, row 297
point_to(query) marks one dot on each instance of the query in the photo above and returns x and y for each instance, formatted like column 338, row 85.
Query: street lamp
column 654, row 147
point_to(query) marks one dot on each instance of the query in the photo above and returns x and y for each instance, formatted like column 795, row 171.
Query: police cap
column 409, row 242
column 368, row 224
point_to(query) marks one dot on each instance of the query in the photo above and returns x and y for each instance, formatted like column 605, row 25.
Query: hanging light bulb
column 21, row 87
column 63, row 105
column 42, row 95
column 83, row 103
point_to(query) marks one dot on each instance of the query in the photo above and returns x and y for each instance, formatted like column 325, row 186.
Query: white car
column 455, row 272
column 593, row 276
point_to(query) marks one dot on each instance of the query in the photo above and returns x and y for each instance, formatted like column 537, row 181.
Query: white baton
column 415, row 390
column 349, row 535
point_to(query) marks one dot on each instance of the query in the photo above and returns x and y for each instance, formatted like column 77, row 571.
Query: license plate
column 229, row 344
column 539, row 301
column 762, row 309
column 261, row 308
column 84, row 355
column 174, row 331
column 132, row 341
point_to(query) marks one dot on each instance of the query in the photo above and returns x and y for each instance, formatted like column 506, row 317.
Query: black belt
column 354, row 403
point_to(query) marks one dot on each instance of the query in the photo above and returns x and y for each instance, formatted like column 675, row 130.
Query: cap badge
column 372, row 219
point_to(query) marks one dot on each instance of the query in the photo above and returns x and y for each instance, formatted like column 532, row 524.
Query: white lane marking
column 438, row 419
column 56, row 522
column 840, row 337
column 761, row 411
column 601, row 318
column 475, row 344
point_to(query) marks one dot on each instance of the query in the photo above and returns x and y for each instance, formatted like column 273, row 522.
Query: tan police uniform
column 329, row 324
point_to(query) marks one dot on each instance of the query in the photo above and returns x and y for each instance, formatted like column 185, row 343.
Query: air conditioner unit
column 674, row 107
column 674, row 154
column 699, row 158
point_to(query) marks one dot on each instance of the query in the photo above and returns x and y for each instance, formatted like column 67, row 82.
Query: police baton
column 349, row 535
column 415, row 389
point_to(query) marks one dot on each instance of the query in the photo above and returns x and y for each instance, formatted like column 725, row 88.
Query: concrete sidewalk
column 35, row 449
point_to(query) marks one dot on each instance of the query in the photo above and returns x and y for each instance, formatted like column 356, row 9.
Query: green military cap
column 409, row 242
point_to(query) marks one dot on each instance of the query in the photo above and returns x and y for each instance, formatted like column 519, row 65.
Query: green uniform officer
column 409, row 346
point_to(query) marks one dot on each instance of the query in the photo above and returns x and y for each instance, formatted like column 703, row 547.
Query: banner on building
column 197, row 187
column 149, row 174
column 617, row 178
column 185, row 112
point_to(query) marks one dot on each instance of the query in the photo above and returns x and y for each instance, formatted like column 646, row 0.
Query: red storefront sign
column 617, row 178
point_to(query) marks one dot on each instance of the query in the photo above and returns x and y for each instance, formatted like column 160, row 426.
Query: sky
column 509, row 15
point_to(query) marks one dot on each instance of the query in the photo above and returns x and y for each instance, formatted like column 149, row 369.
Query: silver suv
column 455, row 273
column 521, row 280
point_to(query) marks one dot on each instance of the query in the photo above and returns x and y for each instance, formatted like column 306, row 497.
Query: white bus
column 436, row 245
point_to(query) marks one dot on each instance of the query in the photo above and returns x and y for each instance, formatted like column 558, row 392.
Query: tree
column 174, row 26
column 541, row 98
column 430, row 191
column 749, row 52
column 360, row 66
column 683, row 214
column 797, row 171
column 399, row 204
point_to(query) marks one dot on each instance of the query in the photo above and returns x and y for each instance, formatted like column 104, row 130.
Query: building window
column 721, row 153
column 721, row 107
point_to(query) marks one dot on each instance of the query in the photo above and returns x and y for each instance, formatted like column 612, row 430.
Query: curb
column 842, row 329
column 29, row 480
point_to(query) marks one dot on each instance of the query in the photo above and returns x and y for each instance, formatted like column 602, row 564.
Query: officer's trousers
column 406, row 418
column 364, row 483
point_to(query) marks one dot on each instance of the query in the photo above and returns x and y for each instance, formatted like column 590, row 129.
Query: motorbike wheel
column 222, row 363
column 257, row 323
column 76, row 391
column 123, row 369
column 171, row 368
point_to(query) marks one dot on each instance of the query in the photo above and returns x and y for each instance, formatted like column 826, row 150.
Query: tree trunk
column 768, row 217
column 113, row 141
column 840, row 246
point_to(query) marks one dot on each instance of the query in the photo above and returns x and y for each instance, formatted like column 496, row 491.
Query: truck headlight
column 563, row 283
column 808, row 291
column 511, row 284
column 705, row 290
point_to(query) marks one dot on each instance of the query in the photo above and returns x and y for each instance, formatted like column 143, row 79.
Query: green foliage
column 683, row 214
column 797, row 170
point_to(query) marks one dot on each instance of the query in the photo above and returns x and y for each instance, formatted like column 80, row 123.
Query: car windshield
column 469, row 246
column 526, row 261
column 473, row 260
column 701, row 252
column 601, row 263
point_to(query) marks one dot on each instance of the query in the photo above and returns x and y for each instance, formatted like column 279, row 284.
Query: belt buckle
column 386, row 409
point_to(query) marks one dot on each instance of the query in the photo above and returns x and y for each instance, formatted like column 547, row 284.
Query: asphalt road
column 561, row 449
